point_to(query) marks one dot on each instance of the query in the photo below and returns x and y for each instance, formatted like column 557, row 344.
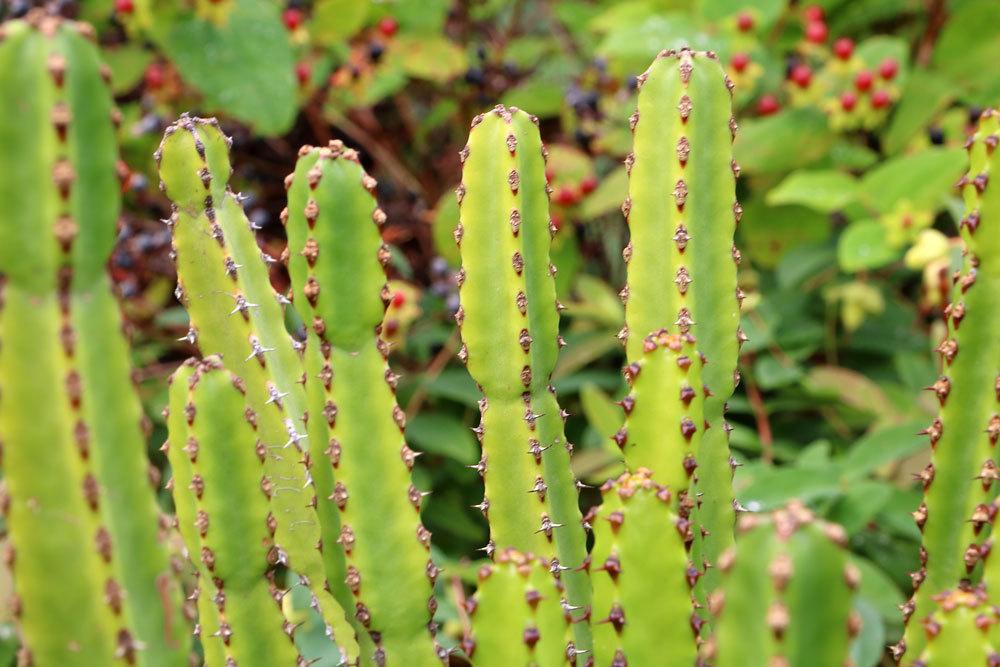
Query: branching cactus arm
column 335, row 259
column 682, row 277
column 959, row 481
column 509, row 323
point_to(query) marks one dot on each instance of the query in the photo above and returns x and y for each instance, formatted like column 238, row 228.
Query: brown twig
column 937, row 15
column 763, row 422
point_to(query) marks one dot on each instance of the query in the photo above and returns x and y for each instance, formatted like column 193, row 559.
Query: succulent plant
column 236, row 314
column 77, row 482
column 961, row 631
column 786, row 594
column 517, row 615
column 682, row 212
column 958, row 482
column 360, row 462
column 223, row 499
column 509, row 319
column 642, row 576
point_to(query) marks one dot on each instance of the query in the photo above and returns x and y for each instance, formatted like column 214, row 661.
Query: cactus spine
column 236, row 314
column 960, row 632
column 682, row 212
column 218, row 460
column 516, row 614
column 335, row 257
column 63, row 348
column 509, row 319
column 959, row 479
column 642, row 578
column 768, row 608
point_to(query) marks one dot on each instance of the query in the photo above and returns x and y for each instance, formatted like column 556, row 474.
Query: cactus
column 958, row 481
column 682, row 136
column 236, row 314
column 959, row 632
column 642, row 577
column 335, row 257
column 509, row 320
column 63, row 348
column 516, row 615
column 786, row 594
column 219, row 463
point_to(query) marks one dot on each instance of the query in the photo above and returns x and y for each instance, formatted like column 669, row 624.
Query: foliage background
column 848, row 236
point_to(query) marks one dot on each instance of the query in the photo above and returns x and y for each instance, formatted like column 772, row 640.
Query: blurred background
column 852, row 116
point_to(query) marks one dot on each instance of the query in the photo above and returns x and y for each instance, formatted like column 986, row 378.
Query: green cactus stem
column 509, row 320
column 335, row 258
column 642, row 576
column 959, row 632
column 959, row 481
column 236, row 314
column 217, row 449
column 517, row 617
column 786, row 594
column 682, row 212
column 93, row 506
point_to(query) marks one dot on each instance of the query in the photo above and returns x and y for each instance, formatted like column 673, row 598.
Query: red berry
column 767, row 105
column 391, row 327
column 398, row 299
column 863, row 81
column 801, row 75
column 813, row 13
column 843, row 48
column 816, row 32
column 881, row 99
column 848, row 100
column 887, row 70
column 739, row 61
column 388, row 26
column 154, row 76
column 124, row 6
column 588, row 185
column 744, row 22
column 555, row 221
column 566, row 196
column 303, row 73
column 292, row 18
column 549, row 175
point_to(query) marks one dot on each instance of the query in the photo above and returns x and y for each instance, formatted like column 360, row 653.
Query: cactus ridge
column 57, row 229
column 509, row 321
column 638, row 539
column 518, row 614
column 766, row 608
column 683, row 131
column 236, row 314
column 959, row 480
column 361, row 464
column 961, row 631
column 232, row 540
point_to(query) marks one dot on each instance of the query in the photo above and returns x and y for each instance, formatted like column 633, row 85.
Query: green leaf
column 882, row 447
column 439, row 433
column 455, row 384
column 443, row 225
column 335, row 20
column 877, row 588
column 772, row 374
column 824, row 191
column 924, row 179
column 244, row 68
column 768, row 232
column 430, row 57
column 868, row 646
column 860, row 503
column 850, row 388
column 926, row 94
column 608, row 196
column 765, row 12
column 865, row 245
column 968, row 41
column 128, row 63
column 782, row 142
column 629, row 45
column 601, row 412
column 772, row 487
